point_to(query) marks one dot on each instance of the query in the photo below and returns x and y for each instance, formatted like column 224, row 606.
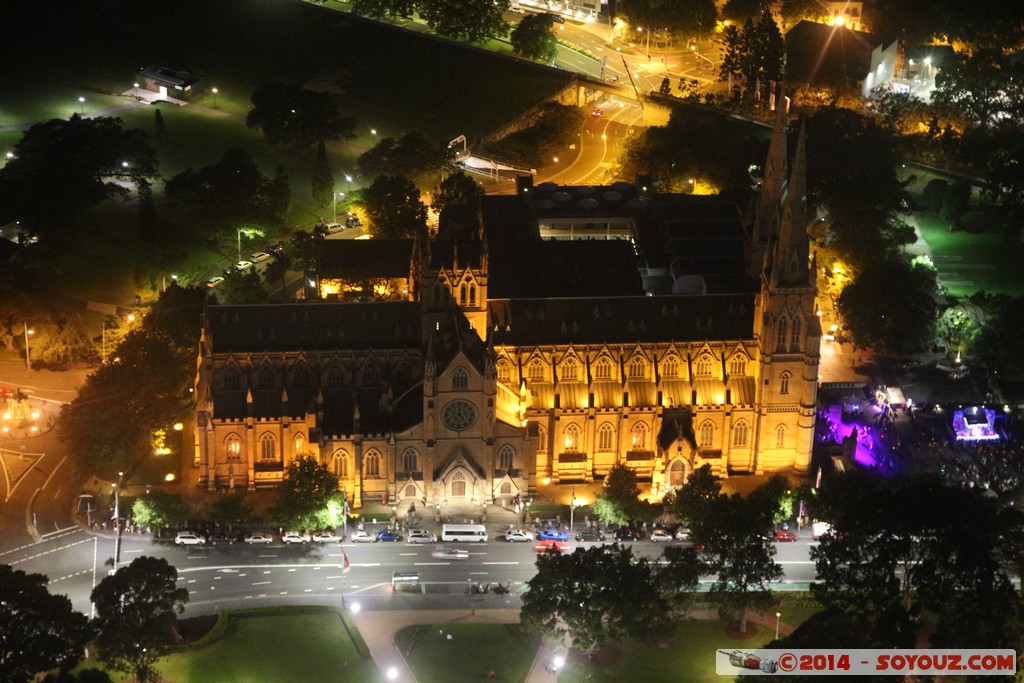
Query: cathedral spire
column 790, row 267
column 773, row 182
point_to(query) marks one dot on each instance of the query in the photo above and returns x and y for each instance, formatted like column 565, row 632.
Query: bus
column 464, row 533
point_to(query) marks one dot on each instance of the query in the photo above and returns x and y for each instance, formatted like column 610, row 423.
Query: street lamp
column 28, row 360
column 136, row 86
column 117, row 518
column 336, row 195
column 778, row 615
column 81, row 105
column 573, row 502
column 215, row 91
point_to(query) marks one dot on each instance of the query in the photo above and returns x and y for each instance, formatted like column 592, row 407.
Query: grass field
column 473, row 651
column 293, row 644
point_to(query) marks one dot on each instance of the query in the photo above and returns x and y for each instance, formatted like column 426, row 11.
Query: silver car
column 259, row 538
column 420, row 536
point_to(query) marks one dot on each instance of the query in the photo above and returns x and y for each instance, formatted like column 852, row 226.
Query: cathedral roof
column 361, row 259
column 618, row 320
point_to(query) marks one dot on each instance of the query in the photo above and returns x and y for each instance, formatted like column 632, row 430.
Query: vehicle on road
column 421, row 536
column 220, row 539
column 353, row 222
column 819, row 529
column 556, row 18
column 259, row 257
column 682, row 533
column 259, row 538
column 551, row 546
column 553, row 535
column 214, row 281
column 597, row 113
column 243, row 265
column 326, row 537
column 450, row 554
column 592, row 535
column 294, row 537
column 189, row 538
column 660, row 536
column 519, row 535
column 362, row 537
column 464, row 533
column 335, row 227
column 784, row 536
column 626, row 534
column 388, row 536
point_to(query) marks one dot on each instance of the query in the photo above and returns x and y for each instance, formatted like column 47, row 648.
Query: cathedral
column 535, row 338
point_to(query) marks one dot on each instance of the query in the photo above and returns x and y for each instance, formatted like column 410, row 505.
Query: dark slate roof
column 829, row 55
column 622, row 320
column 169, row 76
column 702, row 236
column 523, row 265
column 313, row 326
column 361, row 259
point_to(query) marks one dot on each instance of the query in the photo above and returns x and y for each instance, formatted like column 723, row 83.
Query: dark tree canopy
column 378, row 9
column 980, row 24
column 322, row 179
column 756, row 52
column 619, row 501
column 410, row 155
column 78, row 160
column 471, row 20
column 694, row 498
column 394, row 207
column 986, row 87
column 135, row 615
column 532, row 38
column 157, row 509
column 294, row 117
column 891, row 307
column 38, row 631
column 457, row 189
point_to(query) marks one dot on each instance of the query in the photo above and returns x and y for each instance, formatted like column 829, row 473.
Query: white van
column 464, row 533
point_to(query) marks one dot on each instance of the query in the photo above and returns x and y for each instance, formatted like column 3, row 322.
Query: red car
column 783, row 536
column 553, row 546
column 597, row 113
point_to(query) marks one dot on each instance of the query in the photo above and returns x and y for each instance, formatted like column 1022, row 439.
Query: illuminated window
column 739, row 434
column 504, row 371
column 410, row 458
column 460, row 378
column 371, row 463
column 640, row 436
column 637, row 368
column 606, row 437
column 462, row 295
column 458, row 485
column 603, row 369
column 340, row 461
column 231, row 379
column 300, row 443
column 572, row 438
column 233, row 446
column 780, row 342
column 707, row 434
column 570, row 370
column 671, row 367
column 472, row 295
column 738, row 366
column 784, row 383
column 268, row 447
column 535, row 370
column 506, row 457
column 794, row 339
column 780, row 436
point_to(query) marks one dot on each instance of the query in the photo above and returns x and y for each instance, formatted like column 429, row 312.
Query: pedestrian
column 491, row 673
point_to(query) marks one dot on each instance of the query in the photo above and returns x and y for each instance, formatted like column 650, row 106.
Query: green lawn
column 294, row 644
column 970, row 262
column 473, row 651
column 689, row 656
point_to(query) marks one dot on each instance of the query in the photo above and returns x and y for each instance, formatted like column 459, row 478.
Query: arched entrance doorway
column 678, row 472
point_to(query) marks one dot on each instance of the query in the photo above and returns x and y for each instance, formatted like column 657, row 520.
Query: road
column 222, row 577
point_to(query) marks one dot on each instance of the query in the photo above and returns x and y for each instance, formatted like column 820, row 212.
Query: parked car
column 335, row 227
column 388, row 536
column 214, row 281
column 259, row 538
column 450, row 554
column 294, row 537
column 519, row 535
column 661, row 536
column 243, row 265
column 421, row 536
column 326, row 537
column 353, row 222
column 682, row 533
column 362, row 537
column 220, row 539
column 553, row 535
column 626, row 534
column 189, row 538
column 259, row 257
column 557, row 18
column 784, row 536
column 551, row 546
column 590, row 535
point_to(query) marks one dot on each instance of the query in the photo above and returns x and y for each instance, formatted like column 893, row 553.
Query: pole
column 238, row 232
column 95, row 552
column 28, row 361
column 778, row 615
column 572, row 508
column 117, row 519
column 103, row 353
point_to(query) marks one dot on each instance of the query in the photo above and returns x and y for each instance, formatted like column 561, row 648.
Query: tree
column 306, row 492
column 757, row 53
column 241, row 287
column 135, row 615
column 532, row 38
column 160, row 133
column 740, row 11
column 891, row 307
column 594, row 595
column 62, row 340
column 694, row 498
column 79, row 160
column 997, row 343
column 736, row 534
column 666, row 86
column 795, row 11
column 955, row 201
column 933, row 193
column 322, row 180
column 294, row 117
column 378, row 9
column 619, row 501
column 410, row 155
column 158, row 509
column 230, row 509
column 471, row 20
column 984, row 86
column 394, row 207
column 457, row 189
column 38, row 631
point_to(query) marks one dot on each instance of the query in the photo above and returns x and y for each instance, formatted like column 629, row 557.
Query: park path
column 378, row 629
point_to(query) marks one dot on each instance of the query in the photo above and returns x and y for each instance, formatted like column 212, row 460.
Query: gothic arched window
column 707, row 434
column 233, row 446
column 231, row 379
column 570, row 370
column 535, row 370
column 606, row 437
column 739, row 434
column 572, row 438
column 506, row 457
column 780, row 342
column 780, row 436
column 268, row 447
column 784, row 383
column 504, row 371
column 794, row 339
column 603, row 369
column 371, row 463
column 460, row 378
column 410, row 459
column 637, row 368
column 671, row 367
column 640, row 436
column 266, row 377
column 340, row 461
